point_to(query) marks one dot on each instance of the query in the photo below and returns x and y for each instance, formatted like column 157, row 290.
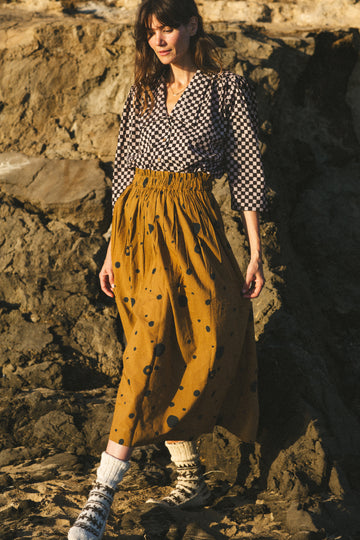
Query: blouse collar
column 188, row 105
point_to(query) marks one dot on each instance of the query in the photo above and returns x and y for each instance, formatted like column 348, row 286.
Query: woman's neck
column 181, row 75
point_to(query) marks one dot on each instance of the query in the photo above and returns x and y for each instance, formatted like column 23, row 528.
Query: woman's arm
column 107, row 275
column 124, row 167
column 254, row 280
column 122, row 176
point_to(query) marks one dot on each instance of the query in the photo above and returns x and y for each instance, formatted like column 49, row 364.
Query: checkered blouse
column 212, row 128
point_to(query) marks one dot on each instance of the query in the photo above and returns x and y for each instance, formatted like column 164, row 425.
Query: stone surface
column 284, row 14
column 306, row 535
column 75, row 191
column 65, row 74
column 298, row 519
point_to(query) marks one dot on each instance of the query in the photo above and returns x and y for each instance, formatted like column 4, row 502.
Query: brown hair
column 148, row 67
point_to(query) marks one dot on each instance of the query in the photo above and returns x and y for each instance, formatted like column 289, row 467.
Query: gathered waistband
column 173, row 180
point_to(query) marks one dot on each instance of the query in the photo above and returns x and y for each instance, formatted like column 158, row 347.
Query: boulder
column 74, row 191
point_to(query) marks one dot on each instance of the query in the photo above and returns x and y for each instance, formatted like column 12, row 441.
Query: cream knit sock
column 190, row 490
column 90, row 524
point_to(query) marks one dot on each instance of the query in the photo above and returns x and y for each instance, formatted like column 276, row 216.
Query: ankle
column 91, row 522
column 182, row 451
column 111, row 470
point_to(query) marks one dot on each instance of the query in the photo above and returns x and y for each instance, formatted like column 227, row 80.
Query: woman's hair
column 148, row 67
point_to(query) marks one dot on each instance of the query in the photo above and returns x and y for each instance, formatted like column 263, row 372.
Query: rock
column 57, row 187
column 226, row 458
column 193, row 530
column 70, row 126
column 353, row 97
column 15, row 455
column 40, row 5
column 298, row 519
column 63, row 462
column 155, row 521
column 5, row 480
column 60, row 282
column 99, row 411
column 45, row 374
column 337, row 482
column 287, row 474
column 94, row 335
column 59, row 426
column 130, row 522
column 35, row 336
column 333, row 521
column 282, row 14
column 306, row 535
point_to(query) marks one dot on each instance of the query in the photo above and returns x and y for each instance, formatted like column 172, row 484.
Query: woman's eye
column 168, row 29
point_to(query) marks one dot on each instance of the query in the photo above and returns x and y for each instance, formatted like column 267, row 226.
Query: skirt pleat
column 190, row 359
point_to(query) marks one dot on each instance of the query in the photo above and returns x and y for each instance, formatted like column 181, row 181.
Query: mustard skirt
column 190, row 358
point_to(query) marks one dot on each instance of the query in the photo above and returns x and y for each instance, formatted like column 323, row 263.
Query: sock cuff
column 182, row 451
column 111, row 470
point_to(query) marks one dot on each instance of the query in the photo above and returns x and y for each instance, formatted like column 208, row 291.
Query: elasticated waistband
column 172, row 180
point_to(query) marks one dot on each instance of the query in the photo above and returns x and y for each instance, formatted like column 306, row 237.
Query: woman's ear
column 193, row 25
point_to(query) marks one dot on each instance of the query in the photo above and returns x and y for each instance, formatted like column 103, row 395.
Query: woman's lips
column 163, row 53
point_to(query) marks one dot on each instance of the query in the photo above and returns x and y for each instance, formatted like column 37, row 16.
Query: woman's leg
column 90, row 524
column 191, row 489
column 119, row 451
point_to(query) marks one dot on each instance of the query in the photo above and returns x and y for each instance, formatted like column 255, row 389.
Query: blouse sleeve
column 124, row 167
column 242, row 154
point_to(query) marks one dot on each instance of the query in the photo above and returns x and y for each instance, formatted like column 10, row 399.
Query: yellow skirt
column 190, row 358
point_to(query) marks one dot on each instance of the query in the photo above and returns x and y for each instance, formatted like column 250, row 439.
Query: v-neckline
column 169, row 115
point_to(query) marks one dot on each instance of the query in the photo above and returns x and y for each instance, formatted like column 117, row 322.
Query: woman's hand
column 254, row 280
column 107, row 275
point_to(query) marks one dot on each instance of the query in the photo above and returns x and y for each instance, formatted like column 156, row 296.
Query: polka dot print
column 172, row 421
column 159, row 349
column 183, row 301
column 183, row 362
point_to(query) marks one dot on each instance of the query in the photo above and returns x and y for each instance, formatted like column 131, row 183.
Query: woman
column 190, row 359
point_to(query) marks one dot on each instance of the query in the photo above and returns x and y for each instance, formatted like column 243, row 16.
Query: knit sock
column 90, row 524
column 190, row 489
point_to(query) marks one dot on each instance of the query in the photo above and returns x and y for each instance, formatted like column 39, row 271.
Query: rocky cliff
column 64, row 77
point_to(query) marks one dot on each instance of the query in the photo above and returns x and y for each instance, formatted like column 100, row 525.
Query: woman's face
column 171, row 45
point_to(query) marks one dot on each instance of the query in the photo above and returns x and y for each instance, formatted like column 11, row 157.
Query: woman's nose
column 159, row 39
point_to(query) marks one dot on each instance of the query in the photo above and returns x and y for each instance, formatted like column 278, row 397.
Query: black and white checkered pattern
column 213, row 128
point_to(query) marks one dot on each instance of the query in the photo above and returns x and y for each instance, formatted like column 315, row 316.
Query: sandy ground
column 42, row 497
